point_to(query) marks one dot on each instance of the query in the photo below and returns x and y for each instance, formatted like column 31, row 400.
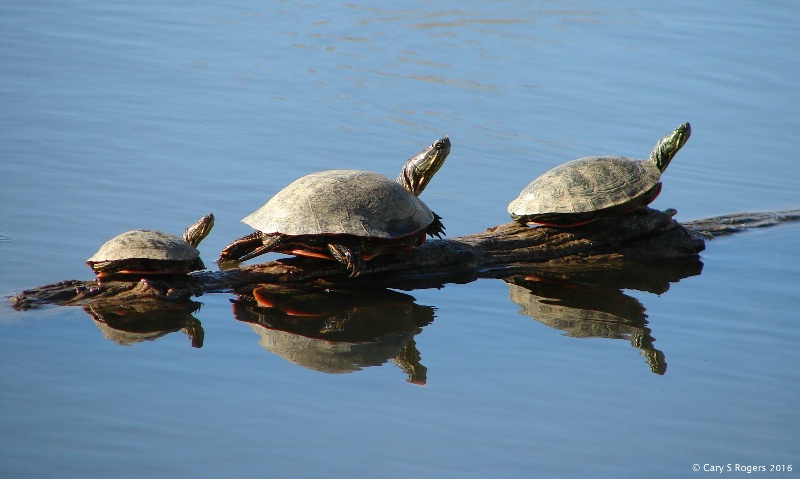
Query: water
column 152, row 114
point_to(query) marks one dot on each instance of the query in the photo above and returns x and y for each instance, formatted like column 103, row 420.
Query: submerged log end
column 734, row 223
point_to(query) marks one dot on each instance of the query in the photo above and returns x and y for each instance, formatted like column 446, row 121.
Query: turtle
column 583, row 190
column 349, row 216
column 150, row 252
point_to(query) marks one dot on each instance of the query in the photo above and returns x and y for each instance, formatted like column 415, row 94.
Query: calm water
column 115, row 117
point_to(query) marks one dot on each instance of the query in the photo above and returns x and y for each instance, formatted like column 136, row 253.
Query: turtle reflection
column 593, row 305
column 130, row 323
column 338, row 332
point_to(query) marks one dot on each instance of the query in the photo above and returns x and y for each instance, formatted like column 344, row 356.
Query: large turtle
column 347, row 215
column 150, row 252
column 592, row 187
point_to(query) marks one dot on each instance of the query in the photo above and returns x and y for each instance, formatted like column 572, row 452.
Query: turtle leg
column 350, row 256
column 240, row 247
column 268, row 243
column 436, row 228
column 249, row 246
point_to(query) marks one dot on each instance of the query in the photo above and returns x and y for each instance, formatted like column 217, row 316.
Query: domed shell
column 145, row 244
column 352, row 202
column 586, row 185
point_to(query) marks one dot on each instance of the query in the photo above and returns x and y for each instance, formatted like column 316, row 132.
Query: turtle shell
column 351, row 202
column 145, row 251
column 587, row 187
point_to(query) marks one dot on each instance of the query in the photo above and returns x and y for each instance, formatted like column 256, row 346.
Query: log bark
column 620, row 243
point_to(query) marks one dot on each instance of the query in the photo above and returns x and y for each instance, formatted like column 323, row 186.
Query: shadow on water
column 344, row 331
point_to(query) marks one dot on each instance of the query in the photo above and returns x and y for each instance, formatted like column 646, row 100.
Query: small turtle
column 592, row 187
column 347, row 215
column 149, row 252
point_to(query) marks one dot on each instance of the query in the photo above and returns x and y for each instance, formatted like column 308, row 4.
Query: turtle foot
column 436, row 228
column 350, row 257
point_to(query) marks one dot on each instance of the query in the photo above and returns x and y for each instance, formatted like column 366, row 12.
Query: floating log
column 643, row 237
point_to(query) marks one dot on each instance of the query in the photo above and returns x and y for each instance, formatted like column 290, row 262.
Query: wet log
column 736, row 223
column 645, row 237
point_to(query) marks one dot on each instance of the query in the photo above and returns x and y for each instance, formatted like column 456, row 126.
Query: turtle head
column 668, row 146
column 419, row 169
column 198, row 231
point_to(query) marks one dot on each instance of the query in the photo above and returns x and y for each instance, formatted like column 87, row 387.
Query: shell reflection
column 338, row 332
column 129, row 323
column 592, row 304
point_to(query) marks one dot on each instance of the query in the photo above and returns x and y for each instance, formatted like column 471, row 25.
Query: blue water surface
column 152, row 114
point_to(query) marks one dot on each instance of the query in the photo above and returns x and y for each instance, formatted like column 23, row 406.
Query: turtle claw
column 351, row 258
column 436, row 228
